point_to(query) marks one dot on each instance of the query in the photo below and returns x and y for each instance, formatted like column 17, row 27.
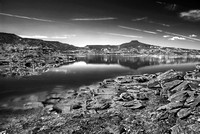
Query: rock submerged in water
column 150, row 103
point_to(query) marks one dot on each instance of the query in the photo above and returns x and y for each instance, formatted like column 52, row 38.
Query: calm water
column 91, row 69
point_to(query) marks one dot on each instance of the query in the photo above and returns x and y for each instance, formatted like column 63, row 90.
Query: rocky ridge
column 161, row 103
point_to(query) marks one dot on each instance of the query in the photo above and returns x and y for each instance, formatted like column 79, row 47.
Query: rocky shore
column 161, row 103
column 31, row 61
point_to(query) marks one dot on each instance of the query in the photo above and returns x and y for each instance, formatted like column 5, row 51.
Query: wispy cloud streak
column 25, row 17
column 162, row 24
column 145, row 19
column 150, row 32
column 159, row 30
column 47, row 37
column 139, row 19
column 135, row 29
column 124, row 35
column 130, row 28
column 94, row 19
column 34, row 36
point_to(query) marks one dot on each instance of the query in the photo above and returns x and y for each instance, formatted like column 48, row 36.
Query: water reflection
column 136, row 62
column 92, row 69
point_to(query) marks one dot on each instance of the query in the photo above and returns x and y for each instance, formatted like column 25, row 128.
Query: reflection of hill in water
column 136, row 62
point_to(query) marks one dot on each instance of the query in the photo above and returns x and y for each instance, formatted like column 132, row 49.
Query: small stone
column 62, row 108
column 154, row 83
column 196, row 102
column 157, row 92
column 51, row 101
column 31, row 105
column 99, row 106
column 126, row 96
column 197, row 66
column 108, row 81
column 142, row 79
column 76, row 106
column 177, row 129
column 184, row 113
column 134, row 104
column 195, row 127
column 142, row 96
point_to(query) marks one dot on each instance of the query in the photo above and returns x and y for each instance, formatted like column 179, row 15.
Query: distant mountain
column 99, row 47
column 131, row 48
column 12, row 39
column 137, row 48
column 135, row 44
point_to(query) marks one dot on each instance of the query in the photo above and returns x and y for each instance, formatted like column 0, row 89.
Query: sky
column 170, row 23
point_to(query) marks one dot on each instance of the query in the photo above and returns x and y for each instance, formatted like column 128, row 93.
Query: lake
column 91, row 69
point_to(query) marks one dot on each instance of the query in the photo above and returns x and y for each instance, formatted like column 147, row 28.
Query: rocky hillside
column 14, row 40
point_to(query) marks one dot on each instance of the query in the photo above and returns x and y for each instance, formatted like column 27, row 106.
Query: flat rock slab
column 184, row 112
column 179, row 96
column 134, row 104
column 183, row 86
column 169, row 85
column 170, row 106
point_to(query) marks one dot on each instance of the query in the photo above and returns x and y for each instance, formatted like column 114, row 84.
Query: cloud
column 34, row 36
column 166, row 36
column 25, row 17
column 94, row 19
column 162, row 24
column 172, row 38
column 130, row 28
column 135, row 29
column 63, row 37
column 158, row 30
column 192, row 35
column 46, row 37
column 150, row 32
column 171, row 7
column 176, row 38
column 168, row 6
column 159, row 2
column 191, row 15
column 149, row 21
column 187, row 37
column 124, row 35
column 139, row 19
